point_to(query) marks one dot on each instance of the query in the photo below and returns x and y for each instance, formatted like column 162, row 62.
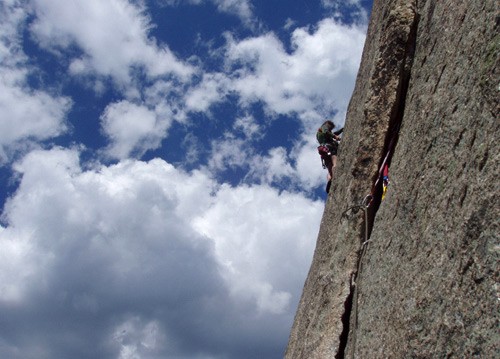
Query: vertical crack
column 391, row 139
column 346, row 320
column 396, row 119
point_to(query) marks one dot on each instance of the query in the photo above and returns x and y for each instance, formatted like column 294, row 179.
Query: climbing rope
column 364, row 205
column 383, row 175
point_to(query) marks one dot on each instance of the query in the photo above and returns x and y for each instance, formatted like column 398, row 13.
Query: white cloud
column 352, row 7
column 248, row 126
column 264, row 243
column 133, row 129
column 113, row 36
column 240, row 8
column 229, row 152
column 314, row 81
column 308, row 169
column 212, row 89
column 271, row 168
column 155, row 244
column 25, row 114
column 235, row 149
column 339, row 3
column 298, row 168
column 313, row 77
column 289, row 23
column 17, row 265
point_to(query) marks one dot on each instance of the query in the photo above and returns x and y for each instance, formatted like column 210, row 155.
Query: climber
column 328, row 145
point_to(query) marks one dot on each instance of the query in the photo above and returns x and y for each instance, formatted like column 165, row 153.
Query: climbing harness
column 325, row 155
column 329, row 142
column 326, row 161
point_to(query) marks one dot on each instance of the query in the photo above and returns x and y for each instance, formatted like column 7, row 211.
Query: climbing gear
column 355, row 279
column 326, row 162
column 364, row 207
column 325, row 154
column 368, row 201
column 385, row 180
column 329, row 142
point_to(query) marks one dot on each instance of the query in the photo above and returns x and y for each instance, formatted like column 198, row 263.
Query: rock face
column 426, row 284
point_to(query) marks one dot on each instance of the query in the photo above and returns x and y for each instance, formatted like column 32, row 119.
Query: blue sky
column 160, row 188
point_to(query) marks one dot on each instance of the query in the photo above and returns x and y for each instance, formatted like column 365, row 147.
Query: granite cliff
column 417, row 274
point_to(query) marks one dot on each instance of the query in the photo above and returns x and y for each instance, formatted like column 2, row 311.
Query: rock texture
column 426, row 285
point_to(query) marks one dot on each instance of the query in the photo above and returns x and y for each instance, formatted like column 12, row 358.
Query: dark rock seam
column 392, row 135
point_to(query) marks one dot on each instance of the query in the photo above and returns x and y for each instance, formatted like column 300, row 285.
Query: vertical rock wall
column 427, row 283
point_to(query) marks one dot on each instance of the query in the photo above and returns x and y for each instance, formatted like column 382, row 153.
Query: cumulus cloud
column 299, row 167
column 26, row 114
column 352, row 7
column 229, row 152
column 248, row 126
column 142, row 259
column 236, row 149
column 260, row 221
column 272, row 168
column 132, row 129
column 213, row 88
column 315, row 80
column 112, row 36
column 240, row 8
column 310, row 81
